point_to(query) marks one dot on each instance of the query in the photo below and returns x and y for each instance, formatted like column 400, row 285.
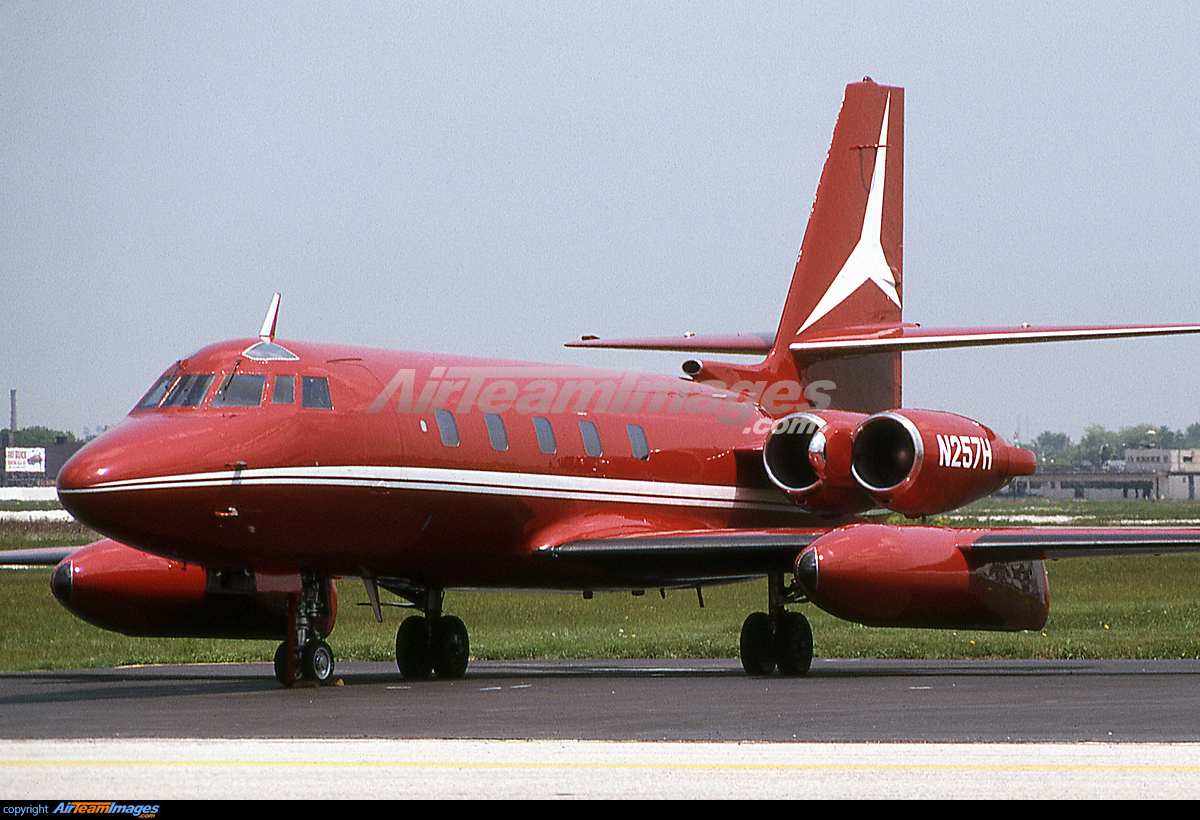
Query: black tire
column 451, row 647
column 317, row 661
column 413, row 656
column 793, row 644
column 758, row 645
column 281, row 665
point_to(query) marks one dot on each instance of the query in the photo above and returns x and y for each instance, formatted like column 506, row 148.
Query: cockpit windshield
column 189, row 391
column 155, row 394
column 240, row 390
column 236, row 390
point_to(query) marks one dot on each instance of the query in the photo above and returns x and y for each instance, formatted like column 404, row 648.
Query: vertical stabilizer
column 848, row 280
column 850, row 270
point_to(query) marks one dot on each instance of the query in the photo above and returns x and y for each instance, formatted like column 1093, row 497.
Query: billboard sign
column 25, row 459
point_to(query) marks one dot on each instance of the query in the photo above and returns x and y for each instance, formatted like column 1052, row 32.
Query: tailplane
column 841, row 334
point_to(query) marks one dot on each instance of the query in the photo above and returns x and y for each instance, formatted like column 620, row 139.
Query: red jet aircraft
column 257, row 471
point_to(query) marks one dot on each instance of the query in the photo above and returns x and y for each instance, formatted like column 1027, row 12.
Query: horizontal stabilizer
column 720, row 343
column 899, row 338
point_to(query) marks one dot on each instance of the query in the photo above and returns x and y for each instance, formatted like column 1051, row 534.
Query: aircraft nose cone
column 80, row 472
column 86, row 481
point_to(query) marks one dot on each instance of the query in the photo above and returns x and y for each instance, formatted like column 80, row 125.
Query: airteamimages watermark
column 546, row 390
column 82, row 807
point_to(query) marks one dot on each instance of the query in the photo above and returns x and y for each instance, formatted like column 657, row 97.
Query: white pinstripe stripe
column 486, row 482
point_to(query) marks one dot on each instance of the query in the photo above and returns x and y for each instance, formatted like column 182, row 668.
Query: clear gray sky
column 500, row 178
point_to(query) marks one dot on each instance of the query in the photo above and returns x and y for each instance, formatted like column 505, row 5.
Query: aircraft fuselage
column 442, row 470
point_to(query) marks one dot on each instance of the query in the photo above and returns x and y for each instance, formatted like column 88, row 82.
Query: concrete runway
column 852, row 728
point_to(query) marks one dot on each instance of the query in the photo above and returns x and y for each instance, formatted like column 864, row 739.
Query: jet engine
column 915, row 576
column 118, row 588
column 807, row 455
column 923, row 462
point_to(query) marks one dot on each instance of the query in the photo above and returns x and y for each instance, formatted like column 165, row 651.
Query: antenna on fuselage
column 267, row 334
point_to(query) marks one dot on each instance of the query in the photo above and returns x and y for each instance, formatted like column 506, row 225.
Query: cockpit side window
column 240, row 390
column 189, row 391
column 314, row 392
column 284, row 391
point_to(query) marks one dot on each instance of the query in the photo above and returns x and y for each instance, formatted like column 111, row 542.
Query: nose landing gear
column 304, row 655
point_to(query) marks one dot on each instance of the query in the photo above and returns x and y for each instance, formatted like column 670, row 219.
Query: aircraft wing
column 689, row 556
column 1032, row 543
column 708, row 555
column 41, row 556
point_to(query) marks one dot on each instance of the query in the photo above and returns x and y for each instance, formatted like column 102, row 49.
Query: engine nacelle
column 912, row 576
column 807, row 455
column 124, row 590
column 923, row 462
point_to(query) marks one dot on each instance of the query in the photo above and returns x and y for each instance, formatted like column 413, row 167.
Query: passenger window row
column 547, row 443
column 235, row 390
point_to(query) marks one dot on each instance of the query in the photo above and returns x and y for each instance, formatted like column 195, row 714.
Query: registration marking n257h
column 968, row 452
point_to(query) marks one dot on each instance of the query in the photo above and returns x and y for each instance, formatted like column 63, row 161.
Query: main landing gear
column 432, row 643
column 304, row 655
column 777, row 639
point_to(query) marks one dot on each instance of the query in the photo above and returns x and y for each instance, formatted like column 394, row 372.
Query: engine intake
column 807, row 455
column 923, row 462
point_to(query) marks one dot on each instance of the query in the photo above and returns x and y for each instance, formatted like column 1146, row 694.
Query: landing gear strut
column 779, row 639
column 304, row 655
column 433, row 643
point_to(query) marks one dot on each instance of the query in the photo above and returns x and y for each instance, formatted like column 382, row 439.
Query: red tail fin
column 848, row 278
column 849, row 273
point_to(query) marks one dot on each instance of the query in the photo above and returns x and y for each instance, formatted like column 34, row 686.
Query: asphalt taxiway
column 609, row 728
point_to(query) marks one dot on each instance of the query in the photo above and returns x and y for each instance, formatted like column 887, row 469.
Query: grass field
column 1100, row 608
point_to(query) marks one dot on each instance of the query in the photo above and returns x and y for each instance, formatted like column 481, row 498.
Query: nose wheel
column 304, row 655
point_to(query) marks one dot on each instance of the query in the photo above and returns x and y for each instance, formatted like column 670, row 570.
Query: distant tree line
column 36, row 437
column 1099, row 445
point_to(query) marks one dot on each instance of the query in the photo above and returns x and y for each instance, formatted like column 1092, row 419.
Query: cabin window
column 189, row 391
column 156, row 393
column 637, row 442
column 446, row 427
column 240, row 390
column 545, row 435
column 314, row 392
column 284, row 391
column 591, row 439
column 496, row 432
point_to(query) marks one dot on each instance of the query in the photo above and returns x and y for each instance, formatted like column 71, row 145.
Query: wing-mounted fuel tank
column 915, row 462
column 922, row 577
column 124, row 590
